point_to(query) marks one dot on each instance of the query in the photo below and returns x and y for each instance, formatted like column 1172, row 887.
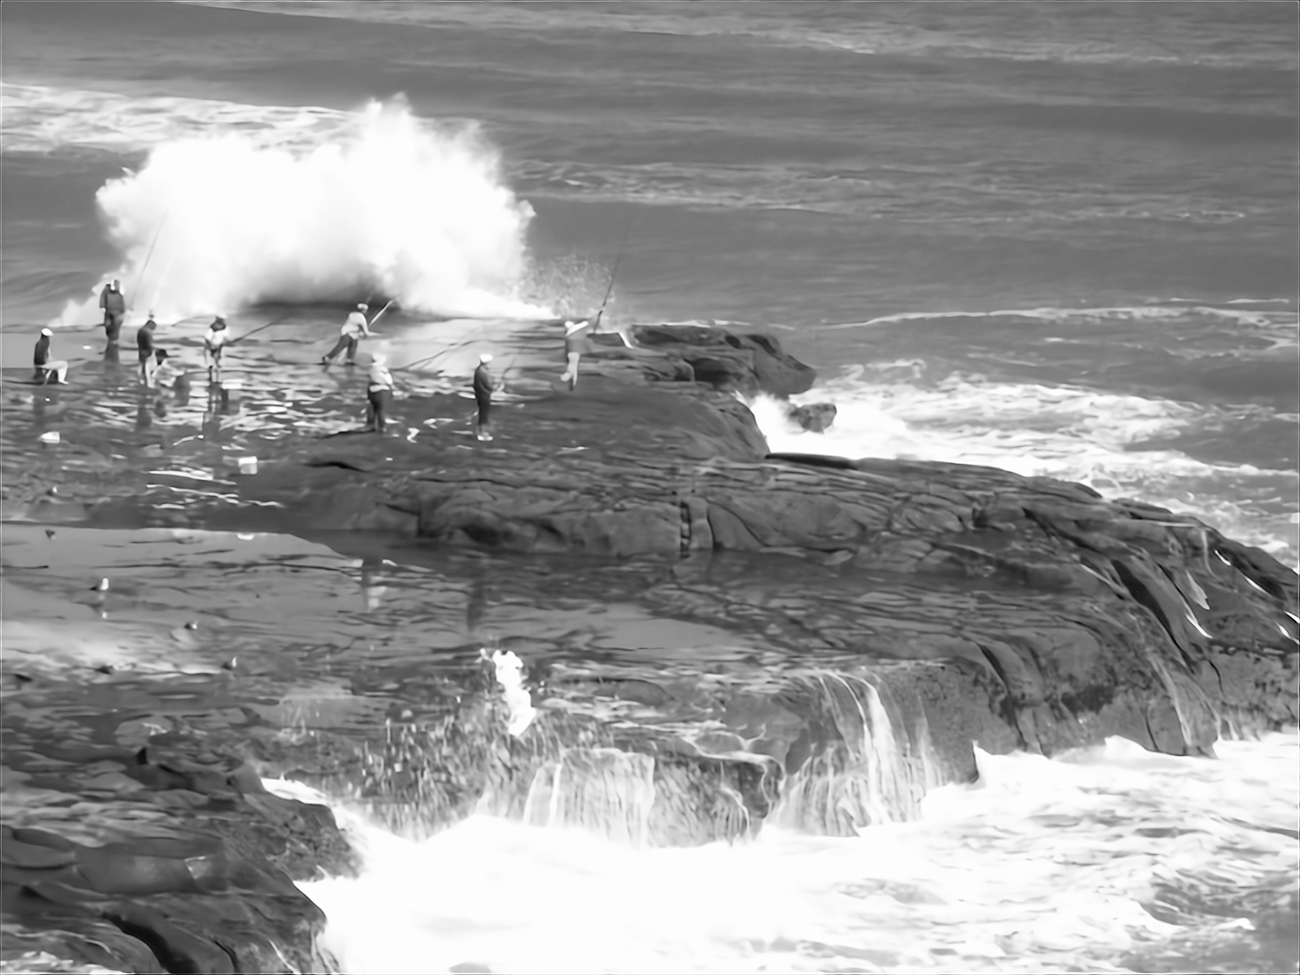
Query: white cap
column 363, row 306
column 485, row 357
column 46, row 332
column 378, row 358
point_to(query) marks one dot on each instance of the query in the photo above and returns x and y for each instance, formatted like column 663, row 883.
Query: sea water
column 1109, row 859
column 1058, row 239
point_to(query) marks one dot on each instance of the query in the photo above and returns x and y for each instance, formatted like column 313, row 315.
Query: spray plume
column 390, row 204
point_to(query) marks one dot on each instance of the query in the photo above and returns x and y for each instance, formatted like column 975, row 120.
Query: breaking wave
column 223, row 216
column 1109, row 859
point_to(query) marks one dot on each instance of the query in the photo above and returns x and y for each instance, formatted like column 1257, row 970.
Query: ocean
column 1057, row 238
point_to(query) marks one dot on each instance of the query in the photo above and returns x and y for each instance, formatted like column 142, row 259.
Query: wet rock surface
column 720, row 636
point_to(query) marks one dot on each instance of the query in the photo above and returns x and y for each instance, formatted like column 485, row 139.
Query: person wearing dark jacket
column 484, row 386
column 144, row 342
column 46, row 367
column 113, row 302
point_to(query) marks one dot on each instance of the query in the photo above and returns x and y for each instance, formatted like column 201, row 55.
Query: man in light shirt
column 379, row 392
column 213, row 342
column 350, row 335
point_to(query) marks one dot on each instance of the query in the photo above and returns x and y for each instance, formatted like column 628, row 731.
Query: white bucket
column 50, row 437
column 248, row 465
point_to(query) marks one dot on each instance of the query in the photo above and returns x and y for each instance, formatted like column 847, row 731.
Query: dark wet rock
column 1058, row 617
column 746, row 362
column 815, row 417
column 190, row 874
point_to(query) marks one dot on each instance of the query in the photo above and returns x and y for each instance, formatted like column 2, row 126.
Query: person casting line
column 350, row 335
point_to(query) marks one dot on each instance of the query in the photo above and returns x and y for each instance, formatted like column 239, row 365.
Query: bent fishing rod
column 613, row 274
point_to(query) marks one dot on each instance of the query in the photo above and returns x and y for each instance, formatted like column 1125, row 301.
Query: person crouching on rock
column 46, row 367
column 215, row 340
column 484, row 386
column 144, row 342
column 113, row 302
column 167, row 374
column 379, row 392
column 576, row 342
column 350, row 335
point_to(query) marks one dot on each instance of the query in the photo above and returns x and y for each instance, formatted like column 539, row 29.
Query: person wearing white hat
column 379, row 392
column 484, row 386
column 46, row 367
column 214, row 341
column 576, row 342
column 350, row 335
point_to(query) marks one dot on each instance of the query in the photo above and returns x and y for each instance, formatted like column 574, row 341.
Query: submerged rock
column 815, row 417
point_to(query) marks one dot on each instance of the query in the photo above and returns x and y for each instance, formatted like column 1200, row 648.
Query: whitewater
column 1109, row 859
column 238, row 205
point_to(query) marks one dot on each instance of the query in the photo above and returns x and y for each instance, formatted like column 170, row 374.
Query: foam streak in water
column 387, row 203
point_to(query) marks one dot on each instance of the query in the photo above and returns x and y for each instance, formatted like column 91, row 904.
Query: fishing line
column 618, row 259
column 147, row 258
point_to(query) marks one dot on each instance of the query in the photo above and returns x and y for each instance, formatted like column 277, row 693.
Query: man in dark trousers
column 144, row 342
column 113, row 302
column 484, row 386
column 46, row 367
column 350, row 335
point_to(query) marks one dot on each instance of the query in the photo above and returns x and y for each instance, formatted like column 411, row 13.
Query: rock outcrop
column 1082, row 617
column 876, row 619
column 113, row 858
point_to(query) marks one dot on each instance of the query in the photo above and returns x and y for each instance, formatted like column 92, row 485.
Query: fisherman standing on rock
column 576, row 343
column 113, row 302
column 484, row 386
column 213, row 342
column 353, row 329
column 144, row 342
column 379, row 392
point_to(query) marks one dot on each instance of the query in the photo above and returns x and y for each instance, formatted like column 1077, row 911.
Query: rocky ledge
column 932, row 607
column 1070, row 617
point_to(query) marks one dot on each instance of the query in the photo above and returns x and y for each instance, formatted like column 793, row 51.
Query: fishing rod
column 253, row 332
column 439, row 354
column 618, row 259
column 382, row 311
column 147, row 258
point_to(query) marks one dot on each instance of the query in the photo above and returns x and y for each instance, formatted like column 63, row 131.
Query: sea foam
column 1088, row 862
column 236, row 205
column 1042, row 430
